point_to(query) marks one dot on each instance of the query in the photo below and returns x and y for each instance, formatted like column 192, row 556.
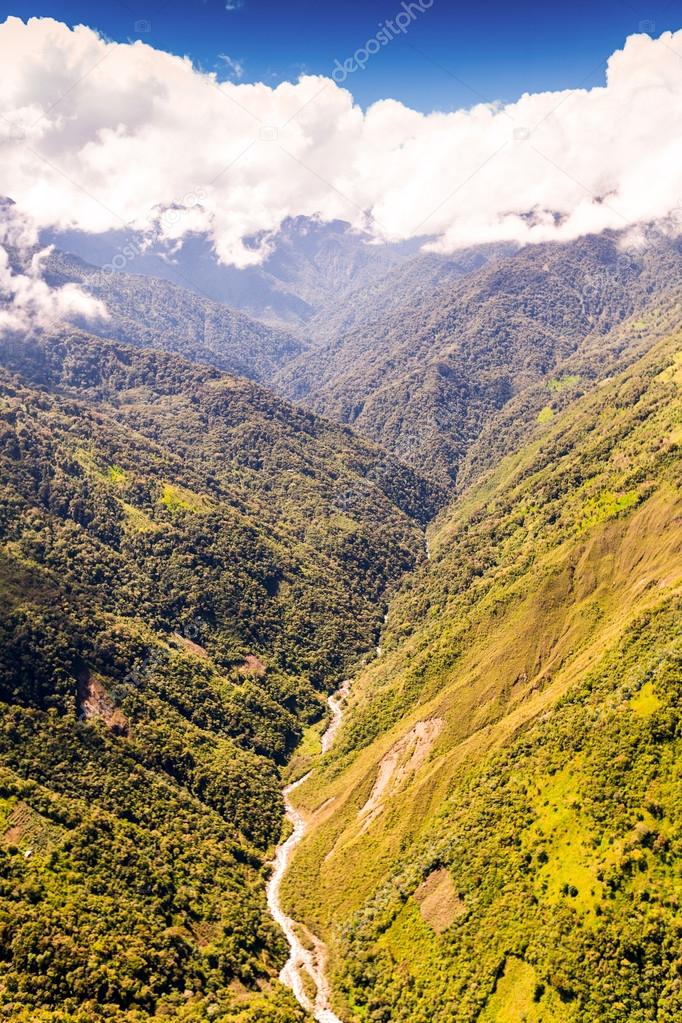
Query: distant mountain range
column 310, row 264
column 435, row 350
column 415, row 351
column 149, row 312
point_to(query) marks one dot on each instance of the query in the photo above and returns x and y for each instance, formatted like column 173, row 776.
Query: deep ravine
column 304, row 960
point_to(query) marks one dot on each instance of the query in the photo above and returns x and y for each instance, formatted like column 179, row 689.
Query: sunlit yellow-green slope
column 495, row 836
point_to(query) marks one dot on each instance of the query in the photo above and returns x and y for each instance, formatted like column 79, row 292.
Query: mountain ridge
column 426, row 374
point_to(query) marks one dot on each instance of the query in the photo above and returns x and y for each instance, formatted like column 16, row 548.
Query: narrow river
column 305, row 969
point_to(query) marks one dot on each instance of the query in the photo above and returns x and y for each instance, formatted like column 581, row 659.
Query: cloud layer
column 26, row 300
column 94, row 135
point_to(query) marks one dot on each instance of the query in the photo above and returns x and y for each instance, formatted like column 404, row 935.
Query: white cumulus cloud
column 27, row 301
column 94, row 135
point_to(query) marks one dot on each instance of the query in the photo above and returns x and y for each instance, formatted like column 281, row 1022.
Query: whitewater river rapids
column 311, row 958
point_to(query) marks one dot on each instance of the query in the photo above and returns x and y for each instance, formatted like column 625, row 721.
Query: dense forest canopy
column 188, row 566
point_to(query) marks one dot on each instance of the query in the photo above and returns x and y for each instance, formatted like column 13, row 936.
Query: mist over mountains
column 309, row 265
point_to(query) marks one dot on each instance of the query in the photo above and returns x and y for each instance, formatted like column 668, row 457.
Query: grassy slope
column 525, row 711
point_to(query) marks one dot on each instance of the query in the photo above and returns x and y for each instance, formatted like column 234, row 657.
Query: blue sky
column 451, row 55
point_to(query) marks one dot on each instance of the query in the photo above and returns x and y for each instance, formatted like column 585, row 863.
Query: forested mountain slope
column 410, row 283
column 149, row 312
column 496, row 836
column 595, row 361
column 317, row 261
column 187, row 566
column 434, row 358
column 425, row 366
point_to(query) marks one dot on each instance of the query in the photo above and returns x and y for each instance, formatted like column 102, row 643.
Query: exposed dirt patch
column 398, row 765
column 252, row 666
column 439, row 903
column 190, row 646
column 94, row 702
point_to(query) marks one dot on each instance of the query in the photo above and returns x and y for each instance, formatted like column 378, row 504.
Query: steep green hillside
column 410, row 283
column 599, row 357
column 496, row 835
column 432, row 354
column 187, row 566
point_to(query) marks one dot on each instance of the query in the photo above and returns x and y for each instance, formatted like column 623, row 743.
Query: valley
column 307, row 962
column 340, row 661
column 340, row 513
